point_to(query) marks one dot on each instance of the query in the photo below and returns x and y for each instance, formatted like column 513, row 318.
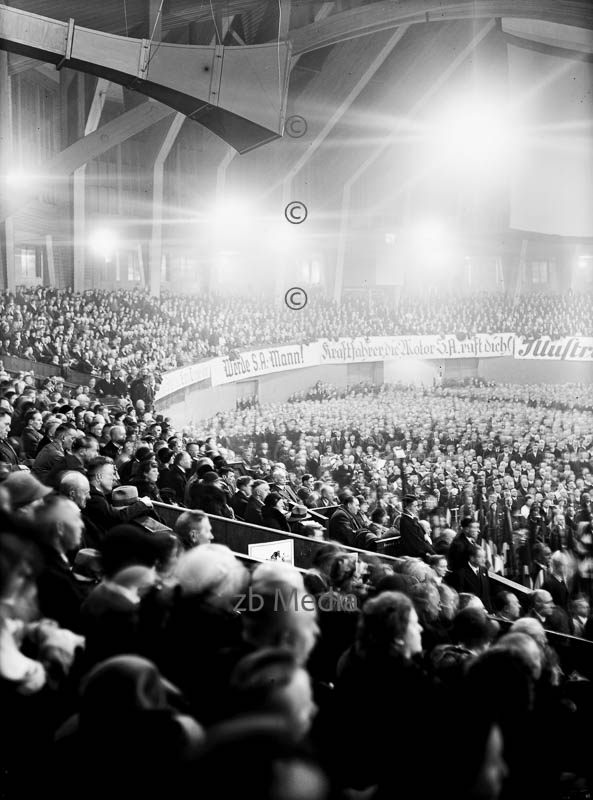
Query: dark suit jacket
column 59, row 594
column 558, row 590
column 69, row 462
column 275, row 519
column 103, row 516
column 30, row 439
column 109, row 622
column 239, row 504
column 343, row 526
column 253, row 511
column 8, row 454
column 465, row 580
column 176, row 480
column 111, row 450
column 286, row 492
column 459, row 552
column 412, row 541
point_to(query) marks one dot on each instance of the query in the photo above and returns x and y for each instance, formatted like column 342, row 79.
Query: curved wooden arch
column 380, row 16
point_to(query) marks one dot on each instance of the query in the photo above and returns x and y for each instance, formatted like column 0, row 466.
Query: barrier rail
column 42, row 370
column 238, row 535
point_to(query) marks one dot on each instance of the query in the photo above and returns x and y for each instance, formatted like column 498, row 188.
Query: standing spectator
column 555, row 580
column 542, row 557
column 473, row 577
column 414, row 539
column 460, row 546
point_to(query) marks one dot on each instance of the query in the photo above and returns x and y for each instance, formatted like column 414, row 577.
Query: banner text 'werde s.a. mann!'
column 259, row 362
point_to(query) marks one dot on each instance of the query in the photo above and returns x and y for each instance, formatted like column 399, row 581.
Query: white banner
column 266, row 360
column 571, row 348
column 186, row 376
column 383, row 348
column 263, row 361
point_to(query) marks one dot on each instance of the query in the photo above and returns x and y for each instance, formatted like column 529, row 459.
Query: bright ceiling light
column 426, row 231
column 232, row 215
column 479, row 134
column 18, row 178
column 103, row 242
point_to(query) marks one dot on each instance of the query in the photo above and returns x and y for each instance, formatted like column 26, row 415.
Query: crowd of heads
column 141, row 658
column 130, row 330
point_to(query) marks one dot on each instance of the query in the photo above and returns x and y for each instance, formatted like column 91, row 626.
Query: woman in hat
column 274, row 512
column 295, row 519
column 146, row 480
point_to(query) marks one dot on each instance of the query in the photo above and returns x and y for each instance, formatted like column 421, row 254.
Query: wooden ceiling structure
column 340, row 49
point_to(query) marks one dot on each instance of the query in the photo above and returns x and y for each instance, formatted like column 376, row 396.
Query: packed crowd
column 134, row 654
column 136, row 660
column 123, row 329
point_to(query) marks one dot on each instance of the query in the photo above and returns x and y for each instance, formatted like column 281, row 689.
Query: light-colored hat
column 124, row 496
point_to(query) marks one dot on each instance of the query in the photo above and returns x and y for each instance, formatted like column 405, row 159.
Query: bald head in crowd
column 75, row 486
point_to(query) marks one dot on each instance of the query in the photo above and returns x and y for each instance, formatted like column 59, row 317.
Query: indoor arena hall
column 296, row 399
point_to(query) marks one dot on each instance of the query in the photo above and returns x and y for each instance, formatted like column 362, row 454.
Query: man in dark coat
column 343, row 523
column 255, row 504
column 7, row 452
column 140, row 389
column 117, row 437
column 99, row 510
column 104, row 387
column 59, row 594
column 414, row 540
column 31, row 435
column 120, row 387
column 555, row 581
column 458, row 555
column 175, row 479
column 279, row 483
column 241, row 497
column 473, row 577
column 208, row 495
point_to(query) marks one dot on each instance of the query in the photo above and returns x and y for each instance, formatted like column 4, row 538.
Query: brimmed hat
column 297, row 512
column 124, row 496
column 87, row 565
column 24, row 489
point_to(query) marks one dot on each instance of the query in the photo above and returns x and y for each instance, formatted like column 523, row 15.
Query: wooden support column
column 7, row 253
column 7, row 277
column 158, row 170
column 79, row 190
column 49, row 259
